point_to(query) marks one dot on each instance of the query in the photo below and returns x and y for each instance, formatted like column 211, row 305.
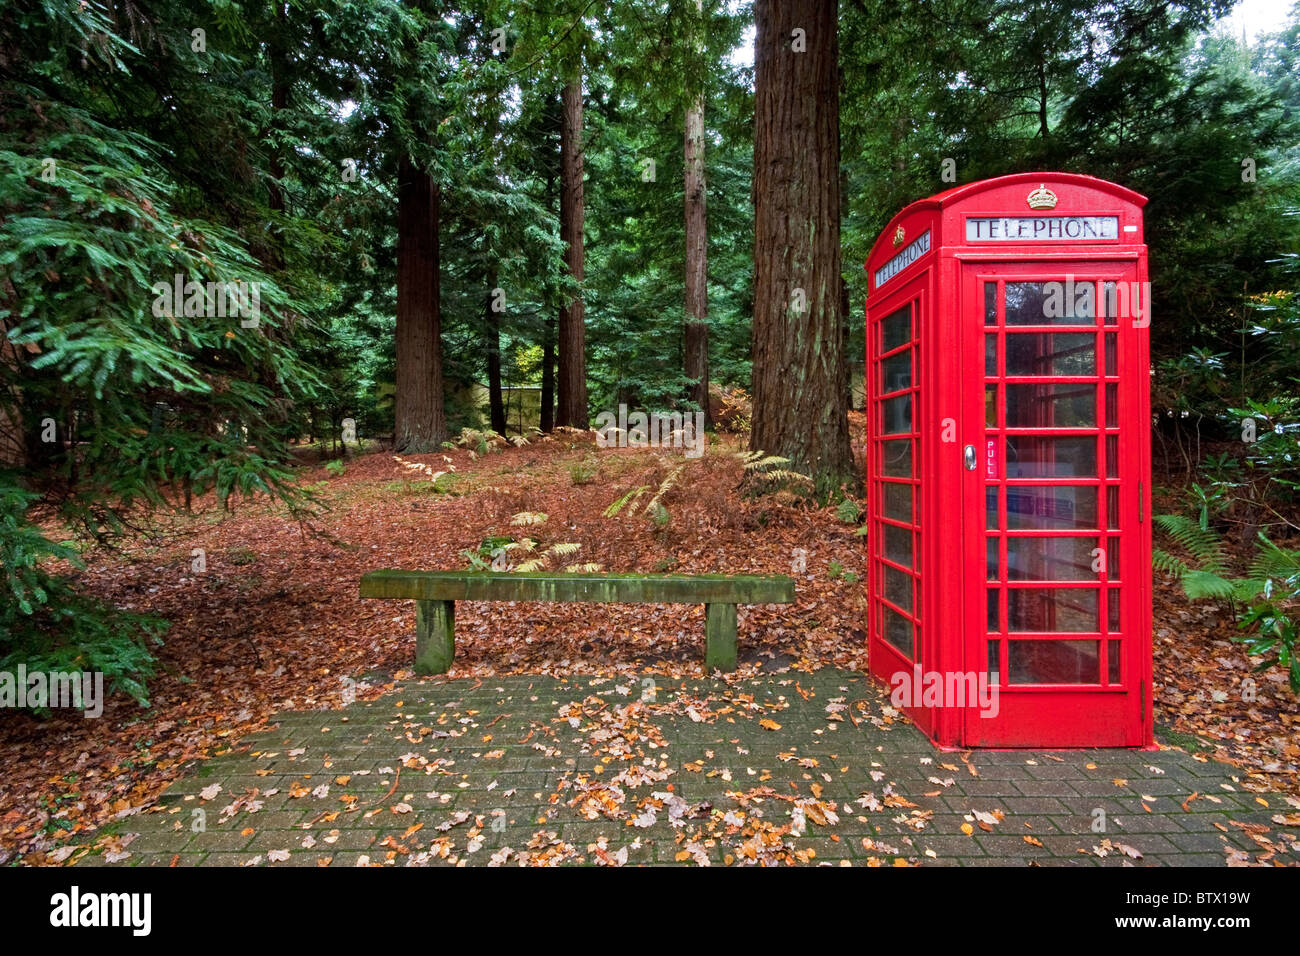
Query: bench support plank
column 720, row 636
column 435, row 636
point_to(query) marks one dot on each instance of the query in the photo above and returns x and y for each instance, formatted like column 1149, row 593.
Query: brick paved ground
column 791, row 767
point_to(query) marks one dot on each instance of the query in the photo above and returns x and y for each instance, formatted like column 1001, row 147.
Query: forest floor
column 273, row 623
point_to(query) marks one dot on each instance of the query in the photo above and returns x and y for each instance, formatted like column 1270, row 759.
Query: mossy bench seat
column 436, row 594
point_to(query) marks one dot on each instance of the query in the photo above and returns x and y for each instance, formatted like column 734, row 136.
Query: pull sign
column 991, row 459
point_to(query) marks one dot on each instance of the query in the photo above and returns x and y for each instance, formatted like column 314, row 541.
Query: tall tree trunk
column 13, row 440
column 421, row 421
column 572, row 383
column 548, row 377
column 799, row 373
column 696, row 356
column 1042, row 100
column 496, row 405
column 547, row 420
column 279, row 103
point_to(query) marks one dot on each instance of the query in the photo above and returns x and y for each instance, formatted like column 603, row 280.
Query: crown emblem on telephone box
column 1042, row 198
column 899, row 236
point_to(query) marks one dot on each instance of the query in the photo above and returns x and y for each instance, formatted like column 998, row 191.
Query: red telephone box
column 1008, row 464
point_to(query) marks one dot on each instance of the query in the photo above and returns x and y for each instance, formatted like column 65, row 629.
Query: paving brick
column 1049, row 799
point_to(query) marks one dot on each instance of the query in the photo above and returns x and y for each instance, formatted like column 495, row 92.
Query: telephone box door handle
column 970, row 457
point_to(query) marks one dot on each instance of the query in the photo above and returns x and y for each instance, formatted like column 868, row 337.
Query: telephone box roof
column 995, row 196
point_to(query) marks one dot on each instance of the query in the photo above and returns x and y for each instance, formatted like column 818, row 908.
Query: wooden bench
column 436, row 594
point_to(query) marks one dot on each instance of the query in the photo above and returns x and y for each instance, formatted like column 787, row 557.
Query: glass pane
column 1112, row 559
column 991, row 406
column 898, row 587
column 1110, row 306
column 1051, row 507
column 1050, row 559
column 1112, row 611
column 898, row 414
column 1060, row 302
column 991, row 355
column 990, row 303
column 1053, row 610
column 1051, row 353
column 1112, row 456
column 1032, row 456
column 898, row 545
column 896, row 372
column 994, row 572
column 1112, row 662
column 898, row 502
column 1051, row 406
column 1112, row 405
column 995, row 662
column 896, row 329
column 1112, row 355
column 896, row 458
column 897, row 630
column 1112, row 507
column 994, row 619
column 991, row 506
column 1053, row 662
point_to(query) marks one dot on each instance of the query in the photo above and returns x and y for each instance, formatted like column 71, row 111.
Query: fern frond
column 1166, row 562
column 529, row 518
column 591, row 567
column 1199, row 584
column 668, row 482
column 1274, row 561
column 534, row 564
column 759, row 461
column 613, row 510
column 1205, row 544
column 784, row 474
column 564, row 548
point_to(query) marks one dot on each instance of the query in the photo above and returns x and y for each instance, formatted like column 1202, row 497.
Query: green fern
column 629, row 498
column 1204, row 543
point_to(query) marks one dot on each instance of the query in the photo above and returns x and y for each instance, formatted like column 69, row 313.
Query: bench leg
column 720, row 634
column 435, row 636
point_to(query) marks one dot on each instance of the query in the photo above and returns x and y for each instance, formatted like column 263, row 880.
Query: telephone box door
column 1053, row 524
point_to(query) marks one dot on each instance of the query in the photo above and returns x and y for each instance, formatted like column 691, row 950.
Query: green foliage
column 1273, row 618
column 46, row 625
column 761, row 468
column 336, row 468
column 836, row 572
column 582, row 473
column 1266, row 599
column 849, row 511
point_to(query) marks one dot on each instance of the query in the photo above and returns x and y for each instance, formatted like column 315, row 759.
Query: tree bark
column 548, row 377
column 279, row 103
column 572, row 382
column 496, row 404
column 696, row 354
column 421, row 424
column 799, row 372
column 13, row 439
